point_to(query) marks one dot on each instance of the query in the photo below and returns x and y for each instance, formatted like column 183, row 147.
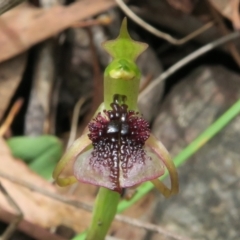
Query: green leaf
column 41, row 153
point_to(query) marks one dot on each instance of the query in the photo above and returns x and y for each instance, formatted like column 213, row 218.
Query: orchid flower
column 118, row 151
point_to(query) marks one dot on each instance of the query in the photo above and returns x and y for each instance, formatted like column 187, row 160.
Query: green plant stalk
column 104, row 211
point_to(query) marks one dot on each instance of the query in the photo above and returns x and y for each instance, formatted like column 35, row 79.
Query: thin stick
column 13, row 226
column 9, row 119
column 146, row 82
column 159, row 33
column 149, row 226
column 208, row 47
column 76, row 112
column 225, row 31
column 78, row 204
column 44, row 192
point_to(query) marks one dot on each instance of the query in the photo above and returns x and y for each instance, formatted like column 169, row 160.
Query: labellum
column 119, row 158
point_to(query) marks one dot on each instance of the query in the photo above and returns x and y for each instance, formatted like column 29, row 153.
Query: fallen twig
column 159, row 33
column 149, row 227
column 47, row 193
column 9, row 119
column 208, row 47
column 146, row 82
column 76, row 112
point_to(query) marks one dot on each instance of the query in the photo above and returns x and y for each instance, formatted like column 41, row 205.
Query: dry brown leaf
column 26, row 25
column 185, row 6
column 9, row 79
column 37, row 209
column 229, row 9
column 224, row 7
column 236, row 16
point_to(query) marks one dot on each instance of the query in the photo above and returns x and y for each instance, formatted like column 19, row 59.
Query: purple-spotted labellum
column 119, row 158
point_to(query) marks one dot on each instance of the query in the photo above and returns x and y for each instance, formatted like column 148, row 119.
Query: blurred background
column 51, row 83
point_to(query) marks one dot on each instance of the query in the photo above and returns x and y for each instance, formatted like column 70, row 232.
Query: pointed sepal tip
column 124, row 47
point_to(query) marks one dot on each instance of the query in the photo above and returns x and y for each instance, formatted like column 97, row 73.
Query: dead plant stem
column 173, row 69
column 159, row 33
column 10, row 117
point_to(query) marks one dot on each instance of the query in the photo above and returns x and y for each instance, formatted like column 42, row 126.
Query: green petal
column 165, row 157
column 78, row 146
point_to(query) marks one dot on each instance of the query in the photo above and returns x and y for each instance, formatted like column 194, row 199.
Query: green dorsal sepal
column 124, row 47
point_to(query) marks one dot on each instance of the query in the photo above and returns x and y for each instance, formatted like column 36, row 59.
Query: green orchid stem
column 104, row 212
